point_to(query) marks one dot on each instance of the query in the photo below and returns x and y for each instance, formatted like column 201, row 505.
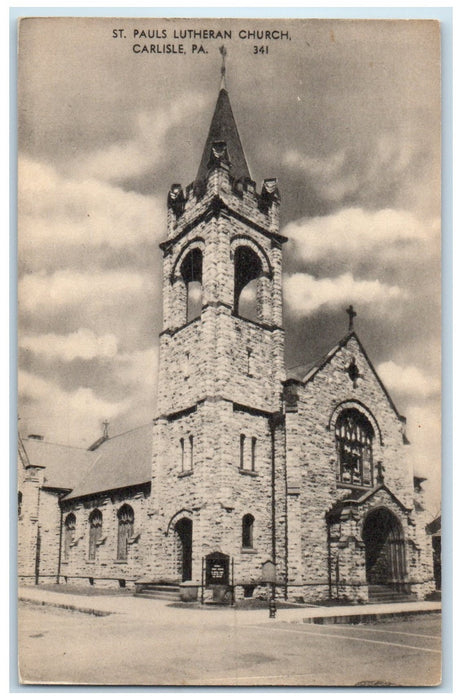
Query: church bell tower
column 218, row 465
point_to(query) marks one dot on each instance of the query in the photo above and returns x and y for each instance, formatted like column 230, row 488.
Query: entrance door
column 385, row 553
column 183, row 531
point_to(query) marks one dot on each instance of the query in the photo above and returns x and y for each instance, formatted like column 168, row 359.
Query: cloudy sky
column 345, row 115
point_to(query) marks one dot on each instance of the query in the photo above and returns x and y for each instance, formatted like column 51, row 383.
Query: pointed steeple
column 223, row 130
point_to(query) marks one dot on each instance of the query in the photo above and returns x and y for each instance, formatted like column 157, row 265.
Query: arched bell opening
column 384, row 549
column 191, row 272
column 183, row 539
column 248, row 271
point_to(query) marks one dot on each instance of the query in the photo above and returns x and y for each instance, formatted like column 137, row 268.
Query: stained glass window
column 96, row 528
column 126, row 518
column 69, row 533
column 354, row 437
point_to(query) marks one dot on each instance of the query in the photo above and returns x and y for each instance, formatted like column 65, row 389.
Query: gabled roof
column 358, row 497
column 64, row 465
column 223, row 128
column 306, row 373
column 120, row 461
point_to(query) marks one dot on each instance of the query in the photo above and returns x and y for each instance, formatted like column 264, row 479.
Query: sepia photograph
column 229, row 352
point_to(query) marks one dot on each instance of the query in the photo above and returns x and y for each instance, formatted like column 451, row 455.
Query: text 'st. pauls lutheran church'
column 245, row 463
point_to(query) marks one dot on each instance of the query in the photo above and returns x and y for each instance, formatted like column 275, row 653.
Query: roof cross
column 351, row 313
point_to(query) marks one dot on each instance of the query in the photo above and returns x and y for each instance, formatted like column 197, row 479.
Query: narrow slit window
column 182, row 454
column 242, row 452
column 249, row 362
column 191, row 452
column 247, row 531
column 253, row 454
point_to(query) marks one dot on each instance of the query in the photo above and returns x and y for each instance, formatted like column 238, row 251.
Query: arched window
column 69, row 534
column 247, row 531
column 126, row 519
column 96, row 529
column 19, row 504
column 191, row 271
column 247, row 270
column 354, row 437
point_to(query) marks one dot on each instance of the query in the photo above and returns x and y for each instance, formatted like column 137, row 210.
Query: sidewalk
column 163, row 611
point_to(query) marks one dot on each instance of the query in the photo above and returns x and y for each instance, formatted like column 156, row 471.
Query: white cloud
column 408, row 380
column 304, row 294
column 325, row 174
column 138, row 368
column 148, row 146
column 354, row 234
column 54, row 210
column 69, row 417
column 64, row 288
column 366, row 171
column 83, row 343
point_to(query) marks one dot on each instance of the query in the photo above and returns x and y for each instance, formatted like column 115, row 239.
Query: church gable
column 346, row 374
column 352, row 434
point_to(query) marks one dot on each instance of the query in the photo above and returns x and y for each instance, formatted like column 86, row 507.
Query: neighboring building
column 434, row 530
column 245, row 463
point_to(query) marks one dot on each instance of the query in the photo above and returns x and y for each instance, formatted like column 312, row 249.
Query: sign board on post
column 217, row 569
column 268, row 572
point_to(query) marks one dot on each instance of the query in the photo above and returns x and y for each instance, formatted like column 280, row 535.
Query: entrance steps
column 379, row 593
column 161, row 591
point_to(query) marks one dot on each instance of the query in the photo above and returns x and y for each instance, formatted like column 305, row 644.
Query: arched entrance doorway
column 183, row 537
column 385, row 550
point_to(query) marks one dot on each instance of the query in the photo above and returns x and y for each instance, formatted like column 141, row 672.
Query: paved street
column 176, row 646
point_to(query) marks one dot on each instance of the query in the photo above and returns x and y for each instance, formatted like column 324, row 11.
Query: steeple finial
column 223, row 67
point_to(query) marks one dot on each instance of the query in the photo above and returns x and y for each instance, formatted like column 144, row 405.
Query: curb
column 65, row 606
column 358, row 618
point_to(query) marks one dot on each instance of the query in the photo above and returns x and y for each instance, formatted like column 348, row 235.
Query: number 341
column 260, row 49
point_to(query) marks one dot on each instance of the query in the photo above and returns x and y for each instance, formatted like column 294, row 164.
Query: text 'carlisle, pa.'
column 182, row 41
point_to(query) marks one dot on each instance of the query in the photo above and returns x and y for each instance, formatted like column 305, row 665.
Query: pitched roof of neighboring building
column 434, row 528
column 64, row 465
column 223, row 128
column 120, row 461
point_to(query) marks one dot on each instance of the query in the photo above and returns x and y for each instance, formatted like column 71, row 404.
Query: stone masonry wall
column 106, row 569
column 50, row 517
column 312, row 433
column 219, row 378
column 29, row 481
column 217, row 493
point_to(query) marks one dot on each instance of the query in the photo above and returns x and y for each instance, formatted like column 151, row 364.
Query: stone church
column 245, row 463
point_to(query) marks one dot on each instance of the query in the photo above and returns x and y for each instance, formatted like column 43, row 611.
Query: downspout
column 58, row 573
column 329, row 561
column 286, row 528
column 275, row 420
column 273, row 488
column 38, row 542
